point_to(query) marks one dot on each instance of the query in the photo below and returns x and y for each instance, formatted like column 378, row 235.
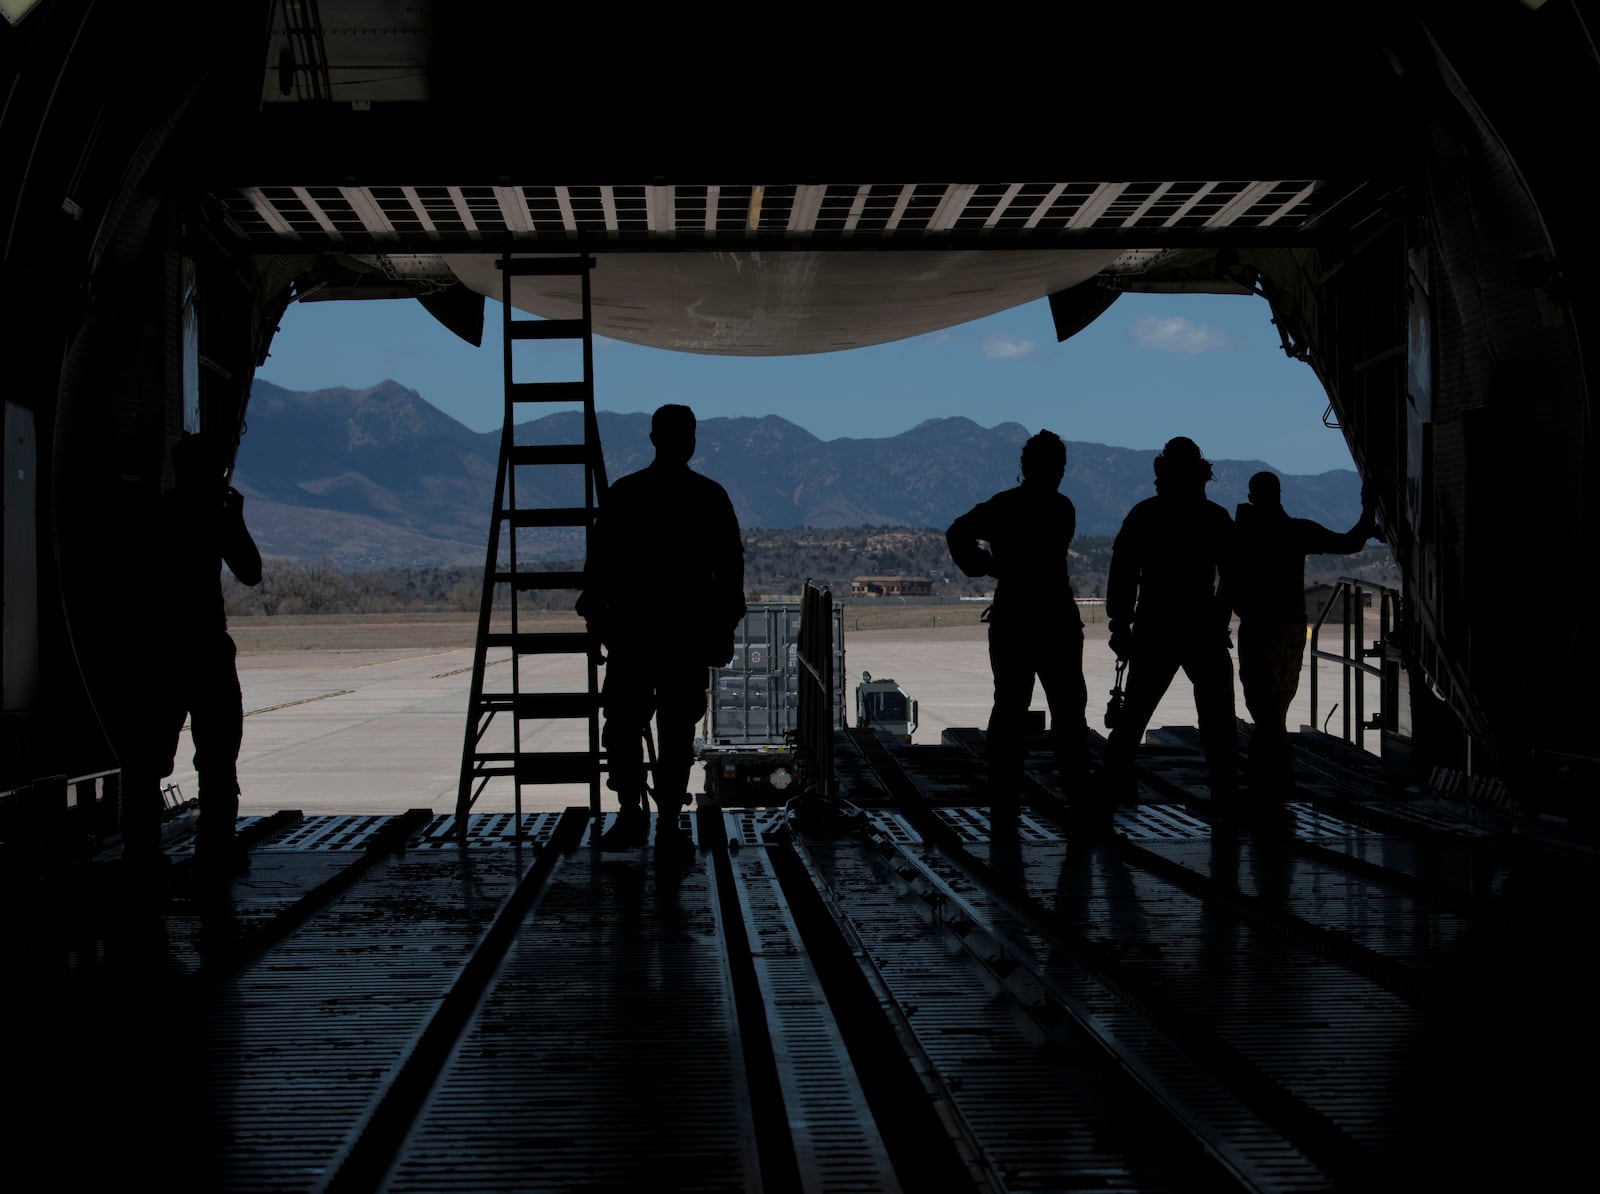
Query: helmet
column 1181, row 458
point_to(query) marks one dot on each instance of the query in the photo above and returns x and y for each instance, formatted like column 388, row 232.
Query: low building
column 891, row 586
column 1318, row 598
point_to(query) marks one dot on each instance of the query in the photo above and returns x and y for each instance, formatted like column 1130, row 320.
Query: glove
column 1121, row 641
column 595, row 623
column 597, row 643
column 1369, row 510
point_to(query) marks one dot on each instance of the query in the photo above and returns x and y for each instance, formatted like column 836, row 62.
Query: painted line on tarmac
column 407, row 658
column 468, row 668
column 322, row 666
column 301, row 701
column 287, row 704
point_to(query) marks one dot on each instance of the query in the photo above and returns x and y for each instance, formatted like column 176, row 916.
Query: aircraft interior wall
column 1511, row 437
column 1448, row 330
column 95, row 246
column 1453, row 357
column 1449, row 338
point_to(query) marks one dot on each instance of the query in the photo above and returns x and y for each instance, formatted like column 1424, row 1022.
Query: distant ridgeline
column 777, row 564
column 368, row 480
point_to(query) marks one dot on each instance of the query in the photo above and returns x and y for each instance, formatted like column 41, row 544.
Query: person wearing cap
column 1020, row 537
column 1269, row 597
column 1168, row 605
column 663, row 594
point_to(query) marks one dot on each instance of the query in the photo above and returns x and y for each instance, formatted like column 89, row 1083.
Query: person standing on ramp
column 1020, row 537
column 1270, row 599
column 202, row 528
column 663, row 594
column 1168, row 607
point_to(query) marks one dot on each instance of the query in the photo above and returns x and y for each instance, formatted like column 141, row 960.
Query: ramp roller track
column 633, row 1021
column 1347, row 783
column 1025, row 1108
column 1318, row 1088
column 1442, row 868
column 370, row 1153
column 1389, row 959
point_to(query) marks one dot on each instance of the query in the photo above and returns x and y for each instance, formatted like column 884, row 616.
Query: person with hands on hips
column 1020, row 537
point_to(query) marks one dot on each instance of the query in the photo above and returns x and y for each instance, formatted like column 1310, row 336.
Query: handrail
column 65, row 816
column 815, row 718
column 1350, row 595
column 73, row 783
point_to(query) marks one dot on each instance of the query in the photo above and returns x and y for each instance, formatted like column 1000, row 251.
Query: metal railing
column 1352, row 599
column 61, row 817
column 815, row 718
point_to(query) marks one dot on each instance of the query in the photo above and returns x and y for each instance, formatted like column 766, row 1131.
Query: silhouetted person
column 1269, row 596
column 134, row 668
column 1167, row 603
column 201, row 525
column 1020, row 537
column 664, row 592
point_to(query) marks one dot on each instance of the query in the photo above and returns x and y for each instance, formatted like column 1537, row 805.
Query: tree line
column 777, row 565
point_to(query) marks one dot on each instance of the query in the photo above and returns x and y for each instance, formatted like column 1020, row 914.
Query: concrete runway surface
column 381, row 731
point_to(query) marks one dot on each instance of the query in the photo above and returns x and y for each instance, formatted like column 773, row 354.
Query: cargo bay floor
column 891, row 992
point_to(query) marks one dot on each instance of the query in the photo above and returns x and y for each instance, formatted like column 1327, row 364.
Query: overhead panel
column 783, row 267
column 1027, row 213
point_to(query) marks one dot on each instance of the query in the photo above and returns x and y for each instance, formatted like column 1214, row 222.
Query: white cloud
column 1005, row 348
column 1178, row 335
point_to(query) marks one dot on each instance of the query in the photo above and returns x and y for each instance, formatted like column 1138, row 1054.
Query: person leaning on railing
column 1269, row 597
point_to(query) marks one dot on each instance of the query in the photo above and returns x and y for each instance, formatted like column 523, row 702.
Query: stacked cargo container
column 748, row 746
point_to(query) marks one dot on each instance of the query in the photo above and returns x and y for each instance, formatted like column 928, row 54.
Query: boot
column 668, row 808
column 1005, row 803
column 630, row 830
column 220, row 856
column 674, row 845
column 1092, row 807
column 145, row 876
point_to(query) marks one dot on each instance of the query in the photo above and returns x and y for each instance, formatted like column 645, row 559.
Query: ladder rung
column 549, row 642
column 504, row 760
column 556, row 767
column 549, row 453
column 544, row 704
column 526, row 267
column 549, row 391
column 547, row 329
column 523, row 581
column 548, row 516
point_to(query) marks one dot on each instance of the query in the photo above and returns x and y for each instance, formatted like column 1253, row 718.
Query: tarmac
column 382, row 731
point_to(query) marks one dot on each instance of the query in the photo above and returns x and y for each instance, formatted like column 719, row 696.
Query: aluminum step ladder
column 561, row 484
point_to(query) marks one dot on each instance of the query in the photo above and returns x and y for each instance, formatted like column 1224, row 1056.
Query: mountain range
column 380, row 478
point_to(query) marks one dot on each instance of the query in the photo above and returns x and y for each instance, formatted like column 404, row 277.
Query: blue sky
column 1153, row 366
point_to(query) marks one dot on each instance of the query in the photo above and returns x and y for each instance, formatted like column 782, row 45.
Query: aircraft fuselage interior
column 1399, row 183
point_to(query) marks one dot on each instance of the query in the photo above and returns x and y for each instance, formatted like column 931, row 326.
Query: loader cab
column 884, row 706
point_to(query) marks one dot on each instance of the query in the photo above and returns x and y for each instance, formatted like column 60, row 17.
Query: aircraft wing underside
column 786, row 270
